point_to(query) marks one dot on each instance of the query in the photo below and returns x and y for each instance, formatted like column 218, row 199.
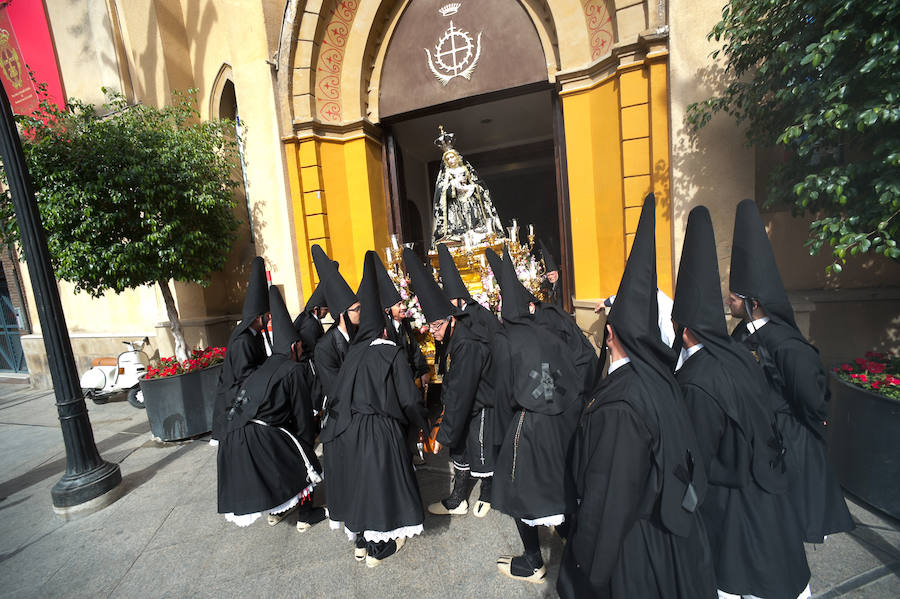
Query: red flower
column 861, row 361
column 846, row 367
column 876, row 384
column 863, row 378
column 875, row 367
column 874, row 355
column 855, row 376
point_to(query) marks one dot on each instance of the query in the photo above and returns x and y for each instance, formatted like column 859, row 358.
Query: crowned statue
column 462, row 204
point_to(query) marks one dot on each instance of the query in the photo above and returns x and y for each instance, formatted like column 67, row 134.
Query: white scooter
column 108, row 376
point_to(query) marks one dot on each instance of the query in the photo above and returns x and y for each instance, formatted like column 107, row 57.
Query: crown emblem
column 449, row 9
column 4, row 36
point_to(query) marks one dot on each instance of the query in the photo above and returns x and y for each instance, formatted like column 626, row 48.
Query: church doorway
column 511, row 138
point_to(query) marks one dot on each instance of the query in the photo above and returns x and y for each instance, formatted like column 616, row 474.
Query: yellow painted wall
column 337, row 191
column 617, row 151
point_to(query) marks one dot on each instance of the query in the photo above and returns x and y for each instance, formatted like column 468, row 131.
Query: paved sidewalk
column 163, row 538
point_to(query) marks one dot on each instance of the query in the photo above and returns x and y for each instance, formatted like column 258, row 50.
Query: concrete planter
column 181, row 406
column 864, row 444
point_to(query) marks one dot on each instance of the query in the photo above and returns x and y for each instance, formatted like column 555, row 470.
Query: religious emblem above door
column 443, row 51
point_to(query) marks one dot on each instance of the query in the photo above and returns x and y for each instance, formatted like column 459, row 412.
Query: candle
column 531, row 230
column 481, row 257
column 389, row 255
column 394, row 241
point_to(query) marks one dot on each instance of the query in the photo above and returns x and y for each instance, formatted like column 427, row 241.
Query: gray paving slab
column 163, row 537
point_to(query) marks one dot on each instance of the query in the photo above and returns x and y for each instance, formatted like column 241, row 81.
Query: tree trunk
column 174, row 322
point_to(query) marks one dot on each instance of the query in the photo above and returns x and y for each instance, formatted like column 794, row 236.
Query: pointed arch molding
column 331, row 51
column 215, row 97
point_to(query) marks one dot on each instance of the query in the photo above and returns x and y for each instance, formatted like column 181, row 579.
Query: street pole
column 89, row 482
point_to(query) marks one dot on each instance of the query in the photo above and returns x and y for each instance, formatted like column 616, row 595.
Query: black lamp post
column 87, row 476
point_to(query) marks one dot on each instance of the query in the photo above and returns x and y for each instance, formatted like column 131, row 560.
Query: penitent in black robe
column 260, row 466
column 539, row 401
column 468, row 396
column 794, row 370
column 618, row 547
column 372, row 486
column 755, row 536
column 244, row 353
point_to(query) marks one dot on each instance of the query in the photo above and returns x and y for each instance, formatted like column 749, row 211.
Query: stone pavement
column 163, row 538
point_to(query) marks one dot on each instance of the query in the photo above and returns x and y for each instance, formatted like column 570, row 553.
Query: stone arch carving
column 330, row 55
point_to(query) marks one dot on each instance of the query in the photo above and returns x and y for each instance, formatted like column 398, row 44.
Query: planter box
column 864, row 444
column 181, row 406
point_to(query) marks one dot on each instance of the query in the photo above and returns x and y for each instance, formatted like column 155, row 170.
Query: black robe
column 310, row 329
column 467, row 393
column 403, row 336
column 330, row 352
column 794, row 370
column 564, row 326
column 618, row 546
column 371, row 481
column 260, row 466
column 245, row 352
column 535, row 421
column 552, row 292
column 755, row 536
column 479, row 316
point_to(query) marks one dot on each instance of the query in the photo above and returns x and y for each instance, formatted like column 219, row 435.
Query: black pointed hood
column 495, row 262
column 698, row 307
column 283, row 332
column 256, row 301
column 387, row 291
column 634, row 318
column 515, row 296
column 371, row 317
column 337, row 292
column 635, row 314
column 451, row 281
column 698, row 294
column 754, row 273
column 435, row 303
column 317, row 299
column 549, row 262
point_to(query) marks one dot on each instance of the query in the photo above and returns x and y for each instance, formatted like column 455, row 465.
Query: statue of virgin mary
column 462, row 204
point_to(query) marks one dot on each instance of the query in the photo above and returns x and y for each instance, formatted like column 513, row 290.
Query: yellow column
column 337, row 189
column 617, row 148
column 659, row 152
column 595, row 189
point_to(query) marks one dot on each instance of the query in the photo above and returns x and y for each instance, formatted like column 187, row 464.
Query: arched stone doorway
column 607, row 75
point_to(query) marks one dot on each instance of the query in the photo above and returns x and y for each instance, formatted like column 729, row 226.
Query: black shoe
column 456, row 503
column 522, row 568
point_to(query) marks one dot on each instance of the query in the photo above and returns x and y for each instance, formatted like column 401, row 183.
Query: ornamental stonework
column 599, row 25
column 331, row 61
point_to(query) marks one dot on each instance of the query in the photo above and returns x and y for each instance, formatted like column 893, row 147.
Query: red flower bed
column 876, row 372
column 200, row 359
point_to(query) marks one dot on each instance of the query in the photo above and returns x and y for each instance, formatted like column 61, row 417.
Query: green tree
column 821, row 80
column 132, row 195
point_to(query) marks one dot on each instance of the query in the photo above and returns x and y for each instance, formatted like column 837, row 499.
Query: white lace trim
column 481, row 474
column 554, row 520
column 245, row 520
column 404, row 531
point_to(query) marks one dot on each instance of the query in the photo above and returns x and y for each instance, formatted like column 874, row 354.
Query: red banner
column 25, row 43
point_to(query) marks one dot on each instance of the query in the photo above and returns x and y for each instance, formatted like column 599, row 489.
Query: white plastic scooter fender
column 95, row 378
